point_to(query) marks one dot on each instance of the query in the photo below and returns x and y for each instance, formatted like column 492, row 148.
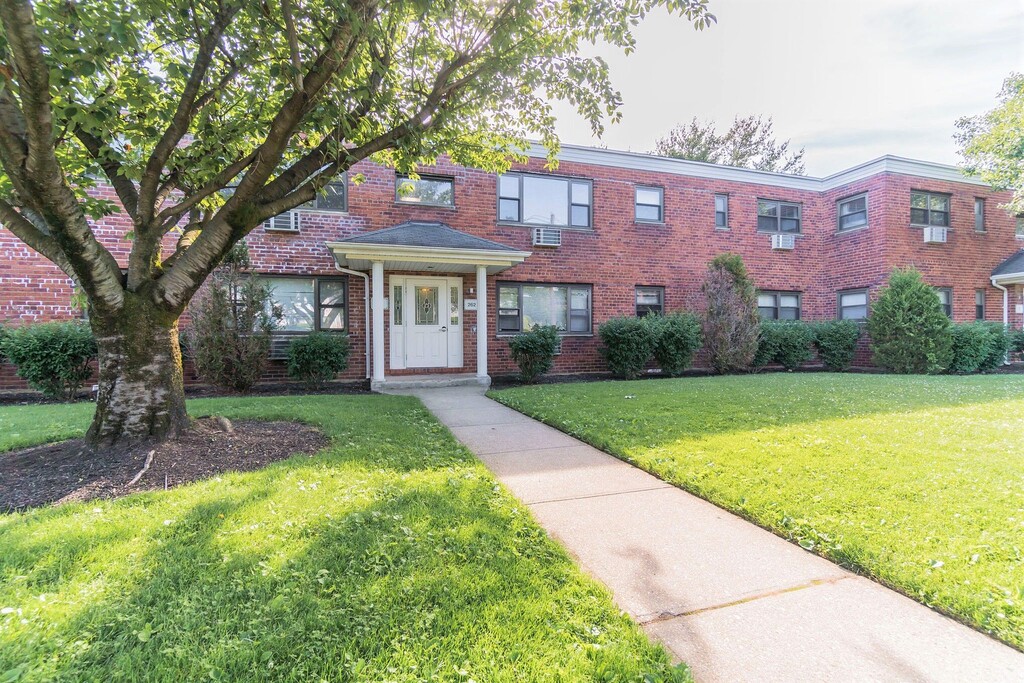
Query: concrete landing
column 734, row 601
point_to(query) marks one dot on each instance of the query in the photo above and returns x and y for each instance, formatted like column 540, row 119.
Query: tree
column 909, row 331
column 992, row 144
column 749, row 143
column 731, row 322
column 171, row 103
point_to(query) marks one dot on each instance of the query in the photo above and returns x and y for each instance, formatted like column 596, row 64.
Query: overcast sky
column 849, row 80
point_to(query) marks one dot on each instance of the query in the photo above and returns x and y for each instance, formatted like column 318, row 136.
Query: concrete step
column 403, row 383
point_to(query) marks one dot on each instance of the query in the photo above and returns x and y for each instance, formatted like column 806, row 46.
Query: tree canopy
column 749, row 143
column 992, row 144
column 208, row 117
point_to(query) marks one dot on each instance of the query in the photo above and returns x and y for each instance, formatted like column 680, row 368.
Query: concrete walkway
column 734, row 601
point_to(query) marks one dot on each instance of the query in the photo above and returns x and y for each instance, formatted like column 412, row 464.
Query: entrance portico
column 424, row 279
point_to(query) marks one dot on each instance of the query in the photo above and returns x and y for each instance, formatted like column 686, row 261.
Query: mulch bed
column 68, row 471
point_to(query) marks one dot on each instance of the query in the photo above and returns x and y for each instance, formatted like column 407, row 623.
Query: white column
column 378, row 321
column 481, row 321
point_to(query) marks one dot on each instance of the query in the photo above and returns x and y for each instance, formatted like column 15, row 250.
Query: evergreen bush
column 534, row 351
column 786, row 342
column 909, row 331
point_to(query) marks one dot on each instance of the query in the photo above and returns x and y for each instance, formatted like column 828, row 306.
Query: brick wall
column 615, row 256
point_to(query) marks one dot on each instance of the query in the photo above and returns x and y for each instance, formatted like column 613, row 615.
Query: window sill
column 859, row 228
column 779, row 232
column 919, row 226
column 531, row 226
column 726, row 228
column 309, row 209
column 421, row 205
column 654, row 224
column 574, row 335
column 281, row 231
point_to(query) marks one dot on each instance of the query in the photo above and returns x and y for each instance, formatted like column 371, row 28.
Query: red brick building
column 443, row 269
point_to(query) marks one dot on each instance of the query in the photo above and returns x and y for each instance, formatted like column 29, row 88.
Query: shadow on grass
column 353, row 565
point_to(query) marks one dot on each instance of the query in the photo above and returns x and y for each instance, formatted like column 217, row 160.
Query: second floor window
column 979, row 304
column 773, row 216
column 426, row 190
column 779, row 305
column 544, row 200
column 927, row 208
column 331, row 197
column 853, row 212
column 649, row 206
column 722, row 211
column 979, row 214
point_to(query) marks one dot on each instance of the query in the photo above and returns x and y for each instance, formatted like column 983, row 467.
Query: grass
column 915, row 481
column 391, row 556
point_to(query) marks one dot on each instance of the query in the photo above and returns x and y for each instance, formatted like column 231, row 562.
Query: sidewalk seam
column 601, row 495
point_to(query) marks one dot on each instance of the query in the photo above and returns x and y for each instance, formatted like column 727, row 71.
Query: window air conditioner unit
column 547, row 237
column 285, row 222
column 786, row 242
column 935, row 235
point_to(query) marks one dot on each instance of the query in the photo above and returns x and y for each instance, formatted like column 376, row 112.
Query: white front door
column 426, row 328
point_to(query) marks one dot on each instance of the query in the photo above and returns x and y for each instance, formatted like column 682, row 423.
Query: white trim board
column 698, row 169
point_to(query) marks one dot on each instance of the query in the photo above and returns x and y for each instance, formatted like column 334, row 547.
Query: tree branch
column 125, row 188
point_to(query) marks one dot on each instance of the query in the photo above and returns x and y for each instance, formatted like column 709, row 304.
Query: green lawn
column 391, row 556
column 917, row 481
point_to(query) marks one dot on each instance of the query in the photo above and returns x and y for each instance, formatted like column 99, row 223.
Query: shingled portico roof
column 1010, row 269
column 423, row 245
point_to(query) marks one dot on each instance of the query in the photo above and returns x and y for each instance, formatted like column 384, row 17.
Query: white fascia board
column 697, row 169
column 1008, row 278
column 371, row 252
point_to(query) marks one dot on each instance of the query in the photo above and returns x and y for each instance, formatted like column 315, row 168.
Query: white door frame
column 450, row 316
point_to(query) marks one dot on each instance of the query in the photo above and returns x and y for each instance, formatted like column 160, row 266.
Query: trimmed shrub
column 730, row 321
column 978, row 347
column 627, row 345
column 836, row 342
column 674, row 338
column 970, row 347
column 909, row 330
column 1017, row 341
column 534, row 351
column 317, row 358
column 232, row 318
column 52, row 357
column 787, row 343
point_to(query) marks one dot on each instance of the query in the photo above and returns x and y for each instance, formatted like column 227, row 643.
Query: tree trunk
column 141, row 387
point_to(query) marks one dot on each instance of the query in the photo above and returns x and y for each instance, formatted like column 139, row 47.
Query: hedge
column 675, row 338
column 317, row 358
column 628, row 345
column 787, row 343
column 836, row 342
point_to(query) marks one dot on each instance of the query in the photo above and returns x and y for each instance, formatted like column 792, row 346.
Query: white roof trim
column 362, row 252
column 1008, row 278
column 658, row 164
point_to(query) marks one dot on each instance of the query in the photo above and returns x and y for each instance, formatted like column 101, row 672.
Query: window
column 779, row 305
column 1019, row 230
column 649, row 206
column 927, row 208
column 979, row 304
column 309, row 304
column 853, row 212
column 722, row 211
column 946, row 299
column 544, row 200
column 979, row 214
column 521, row 307
column 425, row 190
column 853, row 304
column 773, row 216
column 650, row 300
